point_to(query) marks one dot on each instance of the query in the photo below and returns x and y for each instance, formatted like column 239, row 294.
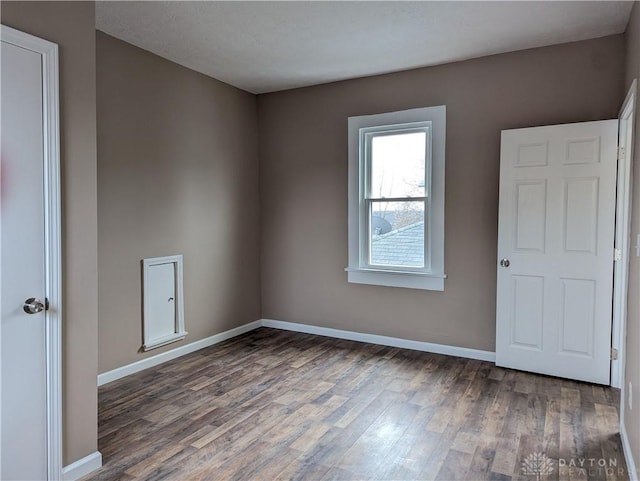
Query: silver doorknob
column 33, row 306
column 505, row 262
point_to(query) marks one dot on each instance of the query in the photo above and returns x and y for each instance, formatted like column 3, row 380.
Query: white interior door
column 25, row 423
column 555, row 248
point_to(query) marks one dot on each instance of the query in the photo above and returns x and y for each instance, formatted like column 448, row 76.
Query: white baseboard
column 82, row 467
column 383, row 340
column 148, row 362
column 628, row 454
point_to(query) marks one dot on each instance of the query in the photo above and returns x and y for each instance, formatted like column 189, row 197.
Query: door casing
column 53, row 249
column 622, row 238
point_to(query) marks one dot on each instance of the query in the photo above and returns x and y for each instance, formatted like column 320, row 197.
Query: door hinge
column 614, row 354
column 621, row 152
column 617, row 254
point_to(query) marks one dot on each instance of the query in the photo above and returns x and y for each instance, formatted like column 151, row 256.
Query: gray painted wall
column 177, row 174
column 303, row 179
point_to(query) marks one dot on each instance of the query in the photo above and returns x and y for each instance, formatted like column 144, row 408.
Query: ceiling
column 268, row 46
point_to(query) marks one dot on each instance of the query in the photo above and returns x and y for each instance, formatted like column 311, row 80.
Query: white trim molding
column 82, row 467
column 626, row 131
column 148, row 362
column 383, row 340
column 48, row 51
column 362, row 131
column 628, row 454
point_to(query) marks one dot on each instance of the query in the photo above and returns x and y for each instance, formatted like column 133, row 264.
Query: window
column 396, row 198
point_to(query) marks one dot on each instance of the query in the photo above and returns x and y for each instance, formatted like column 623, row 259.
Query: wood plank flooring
column 278, row 405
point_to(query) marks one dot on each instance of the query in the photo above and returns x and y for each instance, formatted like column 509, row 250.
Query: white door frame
column 53, row 257
column 623, row 232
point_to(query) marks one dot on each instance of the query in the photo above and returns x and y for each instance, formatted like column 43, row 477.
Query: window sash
column 367, row 200
column 367, row 135
column 366, row 249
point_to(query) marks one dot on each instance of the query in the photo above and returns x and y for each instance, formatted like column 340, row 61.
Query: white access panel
column 163, row 306
column 555, row 248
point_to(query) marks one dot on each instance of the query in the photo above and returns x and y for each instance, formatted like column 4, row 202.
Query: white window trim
column 359, row 271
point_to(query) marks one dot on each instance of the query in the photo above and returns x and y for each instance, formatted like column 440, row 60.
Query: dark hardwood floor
column 278, row 405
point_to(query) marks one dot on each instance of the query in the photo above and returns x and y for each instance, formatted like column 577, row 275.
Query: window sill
column 410, row 280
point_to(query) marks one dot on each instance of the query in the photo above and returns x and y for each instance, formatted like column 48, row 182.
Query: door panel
column 580, row 227
column 528, row 299
column 162, row 294
column 556, row 228
column 23, row 364
column 532, row 154
column 577, row 321
column 530, row 215
column 583, row 151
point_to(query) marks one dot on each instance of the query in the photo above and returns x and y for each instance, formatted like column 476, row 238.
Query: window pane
column 397, row 165
column 397, row 234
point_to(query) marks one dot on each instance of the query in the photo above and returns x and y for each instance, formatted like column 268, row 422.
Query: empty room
column 319, row 240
